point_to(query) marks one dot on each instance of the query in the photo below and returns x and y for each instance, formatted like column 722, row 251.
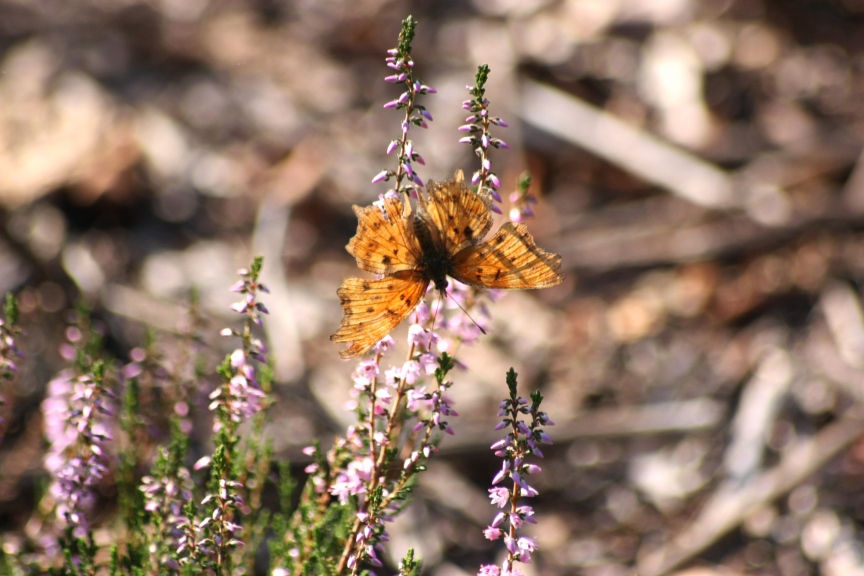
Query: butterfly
column 441, row 238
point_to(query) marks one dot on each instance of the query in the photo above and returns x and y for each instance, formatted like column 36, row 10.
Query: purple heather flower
column 74, row 410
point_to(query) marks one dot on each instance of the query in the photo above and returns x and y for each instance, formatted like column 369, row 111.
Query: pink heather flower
column 492, row 533
column 528, row 491
column 420, row 337
column 238, row 358
column 500, row 496
column 392, row 375
column 428, row 363
column 415, row 397
column 365, row 374
column 353, row 479
column 421, row 314
column 526, row 547
column 526, row 513
column 383, row 395
column 411, row 372
column 515, row 521
column 499, row 518
column 501, row 475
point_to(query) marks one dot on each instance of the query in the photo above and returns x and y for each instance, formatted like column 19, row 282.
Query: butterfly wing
column 385, row 242
column 509, row 259
column 456, row 216
column 372, row 308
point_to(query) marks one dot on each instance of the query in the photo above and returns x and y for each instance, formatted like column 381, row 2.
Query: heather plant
column 207, row 517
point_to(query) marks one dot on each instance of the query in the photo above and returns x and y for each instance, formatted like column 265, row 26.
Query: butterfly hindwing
column 384, row 242
column 372, row 308
column 457, row 216
column 509, row 259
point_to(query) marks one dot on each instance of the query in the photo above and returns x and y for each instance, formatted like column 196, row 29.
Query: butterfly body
column 436, row 262
column 441, row 238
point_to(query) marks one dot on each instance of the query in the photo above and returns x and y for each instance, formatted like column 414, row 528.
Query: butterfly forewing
column 372, row 308
column 457, row 216
column 509, row 259
column 384, row 243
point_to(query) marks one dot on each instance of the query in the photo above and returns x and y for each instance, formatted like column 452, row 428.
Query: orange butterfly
column 443, row 238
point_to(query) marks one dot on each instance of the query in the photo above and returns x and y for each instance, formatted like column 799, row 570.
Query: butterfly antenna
column 465, row 312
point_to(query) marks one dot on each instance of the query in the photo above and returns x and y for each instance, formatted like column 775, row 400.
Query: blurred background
column 698, row 168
